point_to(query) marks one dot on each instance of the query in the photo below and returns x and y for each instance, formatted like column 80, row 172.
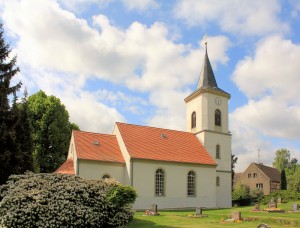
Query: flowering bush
column 57, row 200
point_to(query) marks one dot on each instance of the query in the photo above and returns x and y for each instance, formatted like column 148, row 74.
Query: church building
column 170, row 168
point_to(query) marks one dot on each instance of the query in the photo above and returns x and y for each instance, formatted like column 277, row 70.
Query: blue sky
column 136, row 60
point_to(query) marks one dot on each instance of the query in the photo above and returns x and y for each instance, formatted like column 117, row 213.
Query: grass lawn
column 216, row 218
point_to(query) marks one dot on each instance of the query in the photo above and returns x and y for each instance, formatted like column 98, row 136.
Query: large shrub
column 57, row 200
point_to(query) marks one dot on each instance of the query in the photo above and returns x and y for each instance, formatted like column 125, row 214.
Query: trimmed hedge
column 58, row 200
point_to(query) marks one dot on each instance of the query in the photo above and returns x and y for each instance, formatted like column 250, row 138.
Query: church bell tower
column 207, row 118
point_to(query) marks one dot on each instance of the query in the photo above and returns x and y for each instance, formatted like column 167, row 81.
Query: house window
column 249, row 175
column 159, row 182
column 191, row 184
column 105, row 176
column 193, row 119
column 218, row 117
column 259, row 186
column 218, row 151
column 218, row 181
column 254, row 175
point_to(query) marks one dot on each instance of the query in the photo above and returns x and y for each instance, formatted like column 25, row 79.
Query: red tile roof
column 66, row 168
column 163, row 145
column 100, row 147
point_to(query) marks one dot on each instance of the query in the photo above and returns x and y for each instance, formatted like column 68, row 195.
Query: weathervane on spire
column 205, row 42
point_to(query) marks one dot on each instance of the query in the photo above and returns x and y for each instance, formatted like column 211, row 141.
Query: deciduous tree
column 51, row 131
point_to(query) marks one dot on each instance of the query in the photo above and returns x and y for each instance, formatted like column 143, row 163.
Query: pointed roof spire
column 207, row 78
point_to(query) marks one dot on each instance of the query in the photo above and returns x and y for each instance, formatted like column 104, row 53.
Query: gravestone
column 279, row 200
column 154, row 208
column 272, row 203
column 236, row 215
column 256, row 208
column 198, row 211
column 295, row 207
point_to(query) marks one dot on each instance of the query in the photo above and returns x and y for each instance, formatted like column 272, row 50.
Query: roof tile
column 95, row 146
column 176, row 146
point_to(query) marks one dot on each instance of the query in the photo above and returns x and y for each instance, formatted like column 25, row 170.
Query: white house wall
column 95, row 170
column 175, row 185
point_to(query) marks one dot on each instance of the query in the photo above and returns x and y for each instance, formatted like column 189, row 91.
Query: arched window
column 105, row 176
column 194, row 120
column 218, row 154
column 218, row 117
column 191, row 184
column 159, row 182
column 218, row 181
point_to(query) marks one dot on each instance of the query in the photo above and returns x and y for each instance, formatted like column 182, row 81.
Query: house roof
column 271, row 172
column 95, row 146
column 160, row 144
column 66, row 168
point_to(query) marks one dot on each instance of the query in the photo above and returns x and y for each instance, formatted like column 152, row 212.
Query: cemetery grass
column 216, row 217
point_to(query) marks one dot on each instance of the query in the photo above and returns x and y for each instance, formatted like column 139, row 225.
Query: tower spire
column 207, row 78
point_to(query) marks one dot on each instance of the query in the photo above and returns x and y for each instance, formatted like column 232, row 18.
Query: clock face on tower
column 218, row 101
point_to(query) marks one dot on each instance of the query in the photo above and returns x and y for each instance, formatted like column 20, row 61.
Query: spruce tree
column 283, row 183
column 8, row 113
column 23, row 159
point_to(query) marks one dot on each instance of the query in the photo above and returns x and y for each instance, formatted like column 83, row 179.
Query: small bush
column 57, row 200
column 121, row 195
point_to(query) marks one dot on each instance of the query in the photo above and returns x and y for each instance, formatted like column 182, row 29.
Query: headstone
column 295, row 207
column 279, row 200
column 272, row 203
column 198, row 211
column 257, row 207
column 236, row 215
column 154, row 208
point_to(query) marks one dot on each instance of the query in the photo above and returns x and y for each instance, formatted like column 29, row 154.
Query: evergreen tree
column 8, row 114
column 283, row 183
column 23, row 160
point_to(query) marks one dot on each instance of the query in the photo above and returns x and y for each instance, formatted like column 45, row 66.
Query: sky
column 135, row 61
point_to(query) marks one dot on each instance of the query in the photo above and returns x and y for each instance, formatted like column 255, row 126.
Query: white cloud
column 82, row 5
column 270, row 79
column 140, row 5
column 248, row 17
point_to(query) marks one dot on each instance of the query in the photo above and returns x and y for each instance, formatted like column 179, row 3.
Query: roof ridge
column 89, row 132
column 139, row 125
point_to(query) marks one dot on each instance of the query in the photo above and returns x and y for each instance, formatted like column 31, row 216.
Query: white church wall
column 175, row 185
column 224, row 198
column 95, row 170
column 72, row 153
column 211, row 140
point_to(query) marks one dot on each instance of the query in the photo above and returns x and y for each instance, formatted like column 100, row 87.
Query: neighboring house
column 259, row 176
column 173, row 169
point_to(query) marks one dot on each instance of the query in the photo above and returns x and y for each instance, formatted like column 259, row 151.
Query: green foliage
column 294, row 180
column 51, row 131
column 281, row 160
column 234, row 160
column 121, row 195
column 257, row 195
column 56, row 200
column 9, row 115
column 241, row 192
column 286, row 195
column 283, row 183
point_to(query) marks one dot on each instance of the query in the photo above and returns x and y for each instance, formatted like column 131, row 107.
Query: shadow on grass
column 145, row 224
